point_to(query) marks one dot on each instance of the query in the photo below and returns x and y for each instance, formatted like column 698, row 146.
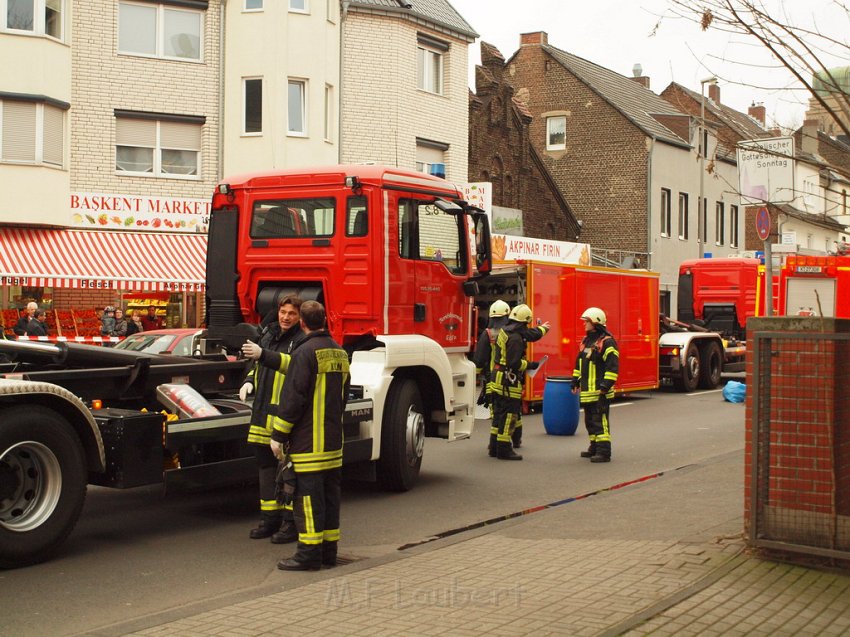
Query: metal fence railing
column 800, row 445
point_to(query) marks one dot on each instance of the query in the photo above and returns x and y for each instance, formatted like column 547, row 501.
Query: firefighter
column 272, row 356
column 594, row 376
column 508, row 376
column 309, row 424
column 483, row 359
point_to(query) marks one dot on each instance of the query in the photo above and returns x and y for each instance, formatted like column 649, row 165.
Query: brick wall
column 602, row 172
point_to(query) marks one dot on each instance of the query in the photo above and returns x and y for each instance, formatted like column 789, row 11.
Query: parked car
column 176, row 341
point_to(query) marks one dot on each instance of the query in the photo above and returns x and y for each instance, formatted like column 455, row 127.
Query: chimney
column 757, row 112
column 714, row 93
column 537, row 37
column 639, row 77
column 810, row 137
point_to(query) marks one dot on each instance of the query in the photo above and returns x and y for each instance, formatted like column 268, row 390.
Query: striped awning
column 102, row 260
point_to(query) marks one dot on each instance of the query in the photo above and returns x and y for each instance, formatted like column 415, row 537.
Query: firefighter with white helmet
column 596, row 369
column 508, row 378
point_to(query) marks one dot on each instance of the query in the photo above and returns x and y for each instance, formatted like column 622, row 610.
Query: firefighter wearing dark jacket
column 594, row 376
column 308, row 426
column 266, row 380
column 508, row 378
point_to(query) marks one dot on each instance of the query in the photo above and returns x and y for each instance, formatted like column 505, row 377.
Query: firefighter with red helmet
column 596, row 370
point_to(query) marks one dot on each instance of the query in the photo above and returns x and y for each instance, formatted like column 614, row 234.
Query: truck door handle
column 418, row 312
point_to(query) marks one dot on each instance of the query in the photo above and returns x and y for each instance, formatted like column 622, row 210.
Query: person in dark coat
column 21, row 326
column 38, row 325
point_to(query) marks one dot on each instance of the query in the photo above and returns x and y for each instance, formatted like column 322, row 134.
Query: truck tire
column 402, row 437
column 712, row 366
column 689, row 377
column 42, row 483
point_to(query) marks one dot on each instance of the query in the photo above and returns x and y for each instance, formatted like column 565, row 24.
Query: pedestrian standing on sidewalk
column 120, row 323
column 309, row 425
column 107, row 321
column 596, row 369
column 21, row 326
column 266, row 381
column 134, row 324
column 151, row 321
column 509, row 367
column 38, row 325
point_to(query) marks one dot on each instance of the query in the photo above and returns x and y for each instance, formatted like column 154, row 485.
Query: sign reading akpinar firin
column 766, row 170
column 98, row 211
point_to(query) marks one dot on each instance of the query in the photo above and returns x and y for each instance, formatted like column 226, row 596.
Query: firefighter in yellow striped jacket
column 596, row 370
column 507, row 379
column 265, row 381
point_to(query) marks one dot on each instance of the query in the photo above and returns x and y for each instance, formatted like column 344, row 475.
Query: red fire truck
column 815, row 286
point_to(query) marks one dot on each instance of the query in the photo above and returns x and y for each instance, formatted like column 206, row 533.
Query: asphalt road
column 136, row 552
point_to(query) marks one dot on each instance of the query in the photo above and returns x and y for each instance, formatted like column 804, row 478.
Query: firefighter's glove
column 247, row 388
column 483, row 397
column 530, row 365
column 252, row 350
column 277, row 449
column 284, row 489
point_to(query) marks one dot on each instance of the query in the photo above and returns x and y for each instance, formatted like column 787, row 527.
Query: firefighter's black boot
column 506, row 451
column 591, row 451
column 491, row 448
column 269, row 524
column 603, row 452
column 306, row 558
column 516, row 437
column 287, row 533
column 329, row 554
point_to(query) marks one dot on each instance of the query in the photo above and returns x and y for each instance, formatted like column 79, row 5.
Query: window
column 299, row 6
column 431, row 157
column 253, row 105
column 158, row 147
column 357, row 217
column 297, row 104
column 683, row 216
column 32, row 131
column 427, row 233
column 331, row 10
column 429, row 64
column 41, row 17
column 292, row 218
column 719, row 223
column 665, row 212
column 329, row 112
column 253, row 5
column 157, row 30
column 556, row 133
column 733, row 226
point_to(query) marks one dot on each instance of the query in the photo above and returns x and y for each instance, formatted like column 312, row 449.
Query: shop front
column 73, row 274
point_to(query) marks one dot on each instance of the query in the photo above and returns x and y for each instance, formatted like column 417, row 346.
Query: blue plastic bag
column 734, row 392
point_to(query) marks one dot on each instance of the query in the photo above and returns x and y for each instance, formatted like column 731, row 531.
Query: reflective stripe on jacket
column 597, row 366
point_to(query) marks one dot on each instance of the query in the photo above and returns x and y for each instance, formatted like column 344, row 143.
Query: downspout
column 649, row 250
column 343, row 14
column 221, row 82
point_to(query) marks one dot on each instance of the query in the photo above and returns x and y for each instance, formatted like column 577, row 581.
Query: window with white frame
column 556, row 132
column 429, row 64
column 252, row 91
column 253, row 5
column 41, row 17
column 719, row 223
column 299, row 6
column 329, row 113
column 733, row 226
column 158, row 30
column 297, row 108
column 665, row 212
column 431, row 156
column 32, row 131
column 158, row 146
column 683, row 216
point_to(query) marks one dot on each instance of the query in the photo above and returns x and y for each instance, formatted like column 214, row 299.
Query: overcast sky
column 618, row 34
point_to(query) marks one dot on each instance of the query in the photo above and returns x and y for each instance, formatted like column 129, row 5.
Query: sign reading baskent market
column 136, row 212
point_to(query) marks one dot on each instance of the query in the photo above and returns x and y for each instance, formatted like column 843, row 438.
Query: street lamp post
column 702, row 219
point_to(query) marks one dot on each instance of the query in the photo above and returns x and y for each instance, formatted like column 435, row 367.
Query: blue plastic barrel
column 560, row 406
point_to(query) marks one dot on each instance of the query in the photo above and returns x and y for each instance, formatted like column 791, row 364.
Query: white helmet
column 594, row 315
column 499, row 308
column 521, row 314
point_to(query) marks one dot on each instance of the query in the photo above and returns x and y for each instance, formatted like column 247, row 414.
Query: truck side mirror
column 470, row 288
column 483, row 248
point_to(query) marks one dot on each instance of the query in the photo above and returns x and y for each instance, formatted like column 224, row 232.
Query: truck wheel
column 689, row 376
column 402, row 437
column 42, row 484
column 712, row 367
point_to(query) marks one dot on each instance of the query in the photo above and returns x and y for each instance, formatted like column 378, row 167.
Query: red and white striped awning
column 102, row 260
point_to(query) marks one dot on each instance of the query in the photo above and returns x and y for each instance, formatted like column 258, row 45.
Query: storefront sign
column 133, row 212
column 176, row 286
column 507, row 249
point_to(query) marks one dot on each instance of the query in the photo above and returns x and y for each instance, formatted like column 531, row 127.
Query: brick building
column 627, row 161
column 500, row 152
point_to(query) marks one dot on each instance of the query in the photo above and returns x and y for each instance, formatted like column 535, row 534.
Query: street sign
column 763, row 223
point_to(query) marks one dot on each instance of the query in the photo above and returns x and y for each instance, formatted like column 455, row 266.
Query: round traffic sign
column 763, row 223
